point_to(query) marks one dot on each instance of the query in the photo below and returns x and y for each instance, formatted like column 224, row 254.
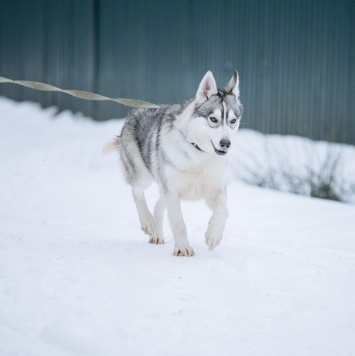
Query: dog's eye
column 233, row 121
column 213, row 119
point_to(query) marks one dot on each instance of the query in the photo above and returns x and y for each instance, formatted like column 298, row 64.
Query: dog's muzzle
column 224, row 145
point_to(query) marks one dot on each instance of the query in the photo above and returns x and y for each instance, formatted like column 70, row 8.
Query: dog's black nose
column 225, row 144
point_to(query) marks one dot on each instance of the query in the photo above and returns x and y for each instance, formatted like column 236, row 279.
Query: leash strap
column 80, row 94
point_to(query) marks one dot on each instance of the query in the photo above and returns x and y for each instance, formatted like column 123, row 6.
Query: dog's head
column 216, row 115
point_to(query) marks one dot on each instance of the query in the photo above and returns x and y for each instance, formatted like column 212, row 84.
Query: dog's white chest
column 199, row 183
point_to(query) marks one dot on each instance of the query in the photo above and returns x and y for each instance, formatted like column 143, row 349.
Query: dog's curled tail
column 111, row 146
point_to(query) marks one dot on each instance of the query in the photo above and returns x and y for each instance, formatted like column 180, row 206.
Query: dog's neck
column 192, row 143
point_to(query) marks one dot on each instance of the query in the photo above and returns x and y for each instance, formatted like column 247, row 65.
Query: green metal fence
column 295, row 58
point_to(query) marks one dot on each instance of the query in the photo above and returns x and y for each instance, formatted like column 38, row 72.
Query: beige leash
column 80, row 94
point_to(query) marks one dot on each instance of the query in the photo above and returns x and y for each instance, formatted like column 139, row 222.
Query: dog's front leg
column 218, row 219
column 182, row 247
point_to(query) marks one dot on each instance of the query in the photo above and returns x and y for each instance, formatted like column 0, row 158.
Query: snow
column 77, row 276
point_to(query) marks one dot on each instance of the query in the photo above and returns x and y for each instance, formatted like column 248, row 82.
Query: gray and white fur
column 183, row 147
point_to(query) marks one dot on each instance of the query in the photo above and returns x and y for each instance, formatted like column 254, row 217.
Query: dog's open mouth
column 219, row 152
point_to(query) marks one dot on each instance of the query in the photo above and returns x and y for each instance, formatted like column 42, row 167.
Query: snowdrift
column 77, row 276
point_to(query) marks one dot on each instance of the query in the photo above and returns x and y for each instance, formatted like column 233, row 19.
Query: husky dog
column 183, row 148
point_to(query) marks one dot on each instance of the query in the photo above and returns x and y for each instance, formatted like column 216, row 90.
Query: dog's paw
column 156, row 240
column 212, row 240
column 183, row 251
column 148, row 226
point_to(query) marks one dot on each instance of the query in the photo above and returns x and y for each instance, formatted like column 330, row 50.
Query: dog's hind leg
column 158, row 219
column 145, row 217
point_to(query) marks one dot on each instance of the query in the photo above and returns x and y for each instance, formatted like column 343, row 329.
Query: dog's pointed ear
column 232, row 86
column 207, row 87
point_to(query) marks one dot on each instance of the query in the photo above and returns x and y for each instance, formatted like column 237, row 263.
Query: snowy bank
column 77, row 276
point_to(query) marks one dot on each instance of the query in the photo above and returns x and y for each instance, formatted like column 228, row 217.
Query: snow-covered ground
column 77, row 276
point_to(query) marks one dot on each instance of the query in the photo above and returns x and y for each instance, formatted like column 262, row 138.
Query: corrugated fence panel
column 295, row 58
column 70, row 59
column 22, row 49
column 47, row 41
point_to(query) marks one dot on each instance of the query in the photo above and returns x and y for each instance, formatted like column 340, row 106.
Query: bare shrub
column 299, row 166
